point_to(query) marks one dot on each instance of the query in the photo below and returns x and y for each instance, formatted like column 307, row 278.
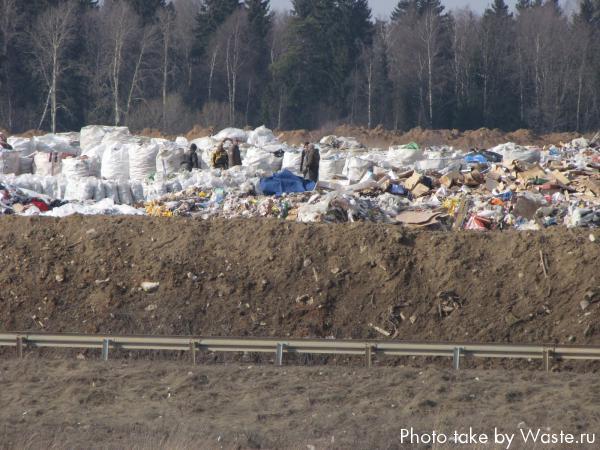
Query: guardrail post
column 279, row 354
column 368, row 356
column 105, row 345
column 547, row 356
column 456, row 357
column 20, row 347
column 193, row 352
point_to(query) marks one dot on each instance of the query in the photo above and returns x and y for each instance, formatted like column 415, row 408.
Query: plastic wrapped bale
column 356, row 168
column 25, row 165
column 513, row 152
column 232, row 133
column 142, row 161
column 10, row 161
column 125, row 194
column 292, row 161
column 169, row 159
column 55, row 187
column 111, row 190
column 137, row 191
column 401, row 156
column 55, row 143
column 23, row 145
column 258, row 159
column 76, row 167
column 99, row 191
column 115, row 162
column 261, row 137
column 331, row 168
column 81, row 189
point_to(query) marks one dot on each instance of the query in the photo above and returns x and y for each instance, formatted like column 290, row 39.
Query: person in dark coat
column 233, row 154
column 309, row 164
column 191, row 159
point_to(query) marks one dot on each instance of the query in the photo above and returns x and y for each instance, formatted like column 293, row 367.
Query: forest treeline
column 175, row 64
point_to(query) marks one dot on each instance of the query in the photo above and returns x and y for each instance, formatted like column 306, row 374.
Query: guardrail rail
column 280, row 347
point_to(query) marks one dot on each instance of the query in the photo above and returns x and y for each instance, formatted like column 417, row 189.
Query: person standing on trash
column 233, row 154
column 220, row 159
column 309, row 164
column 3, row 143
column 191, row 159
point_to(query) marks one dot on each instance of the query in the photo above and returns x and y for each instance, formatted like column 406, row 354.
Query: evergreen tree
column 213, row 13
column 260, row 22
column 147, row 9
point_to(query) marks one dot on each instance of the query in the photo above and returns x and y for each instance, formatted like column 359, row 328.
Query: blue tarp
column 285, row 182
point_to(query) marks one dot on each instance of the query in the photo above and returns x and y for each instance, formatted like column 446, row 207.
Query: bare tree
column 120, row 25
column 9, row 21
column 166, row 23
column 50, row 37
column 185, row 21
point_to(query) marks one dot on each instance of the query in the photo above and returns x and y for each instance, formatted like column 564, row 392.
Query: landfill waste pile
column 107, row 170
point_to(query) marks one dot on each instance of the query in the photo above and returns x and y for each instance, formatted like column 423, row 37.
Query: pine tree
column 147, row 9
column 260, row 22
column 213, row 13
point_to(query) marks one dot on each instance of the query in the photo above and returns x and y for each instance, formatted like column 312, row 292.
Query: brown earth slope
column 270, row 278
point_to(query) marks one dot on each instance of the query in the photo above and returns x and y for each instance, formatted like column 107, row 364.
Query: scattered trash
column 109, row 171
column 149, row 286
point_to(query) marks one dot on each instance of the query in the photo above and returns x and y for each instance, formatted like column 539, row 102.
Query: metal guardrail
column 280, row 347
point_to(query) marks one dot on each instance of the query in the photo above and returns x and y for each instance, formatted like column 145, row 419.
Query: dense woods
column 172, row 65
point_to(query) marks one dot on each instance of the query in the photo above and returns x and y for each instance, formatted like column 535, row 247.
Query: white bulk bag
column 232, row 133
column 292, row 161
column 76, row 167
column 205, row 143
column 331, row 168
column 513, row 152
column 169, row 159
column 356, row 168
column 401, row 156
column 258, row 159
column 115, row 162
column 261, row 137
column 93, row 135
column 46, row 164
column 142, row 161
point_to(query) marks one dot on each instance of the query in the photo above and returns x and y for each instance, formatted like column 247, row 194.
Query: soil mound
column 271, row 278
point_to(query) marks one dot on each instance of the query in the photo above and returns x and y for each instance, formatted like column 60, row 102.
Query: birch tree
column 9, row 21
column 50, row 37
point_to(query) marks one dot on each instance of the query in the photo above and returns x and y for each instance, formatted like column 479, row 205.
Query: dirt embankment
column 481, row 138
column 270, row 278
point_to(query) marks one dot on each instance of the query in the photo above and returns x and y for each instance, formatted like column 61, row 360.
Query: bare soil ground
column 154, row 405
column 382, row 138
column 273, row 278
